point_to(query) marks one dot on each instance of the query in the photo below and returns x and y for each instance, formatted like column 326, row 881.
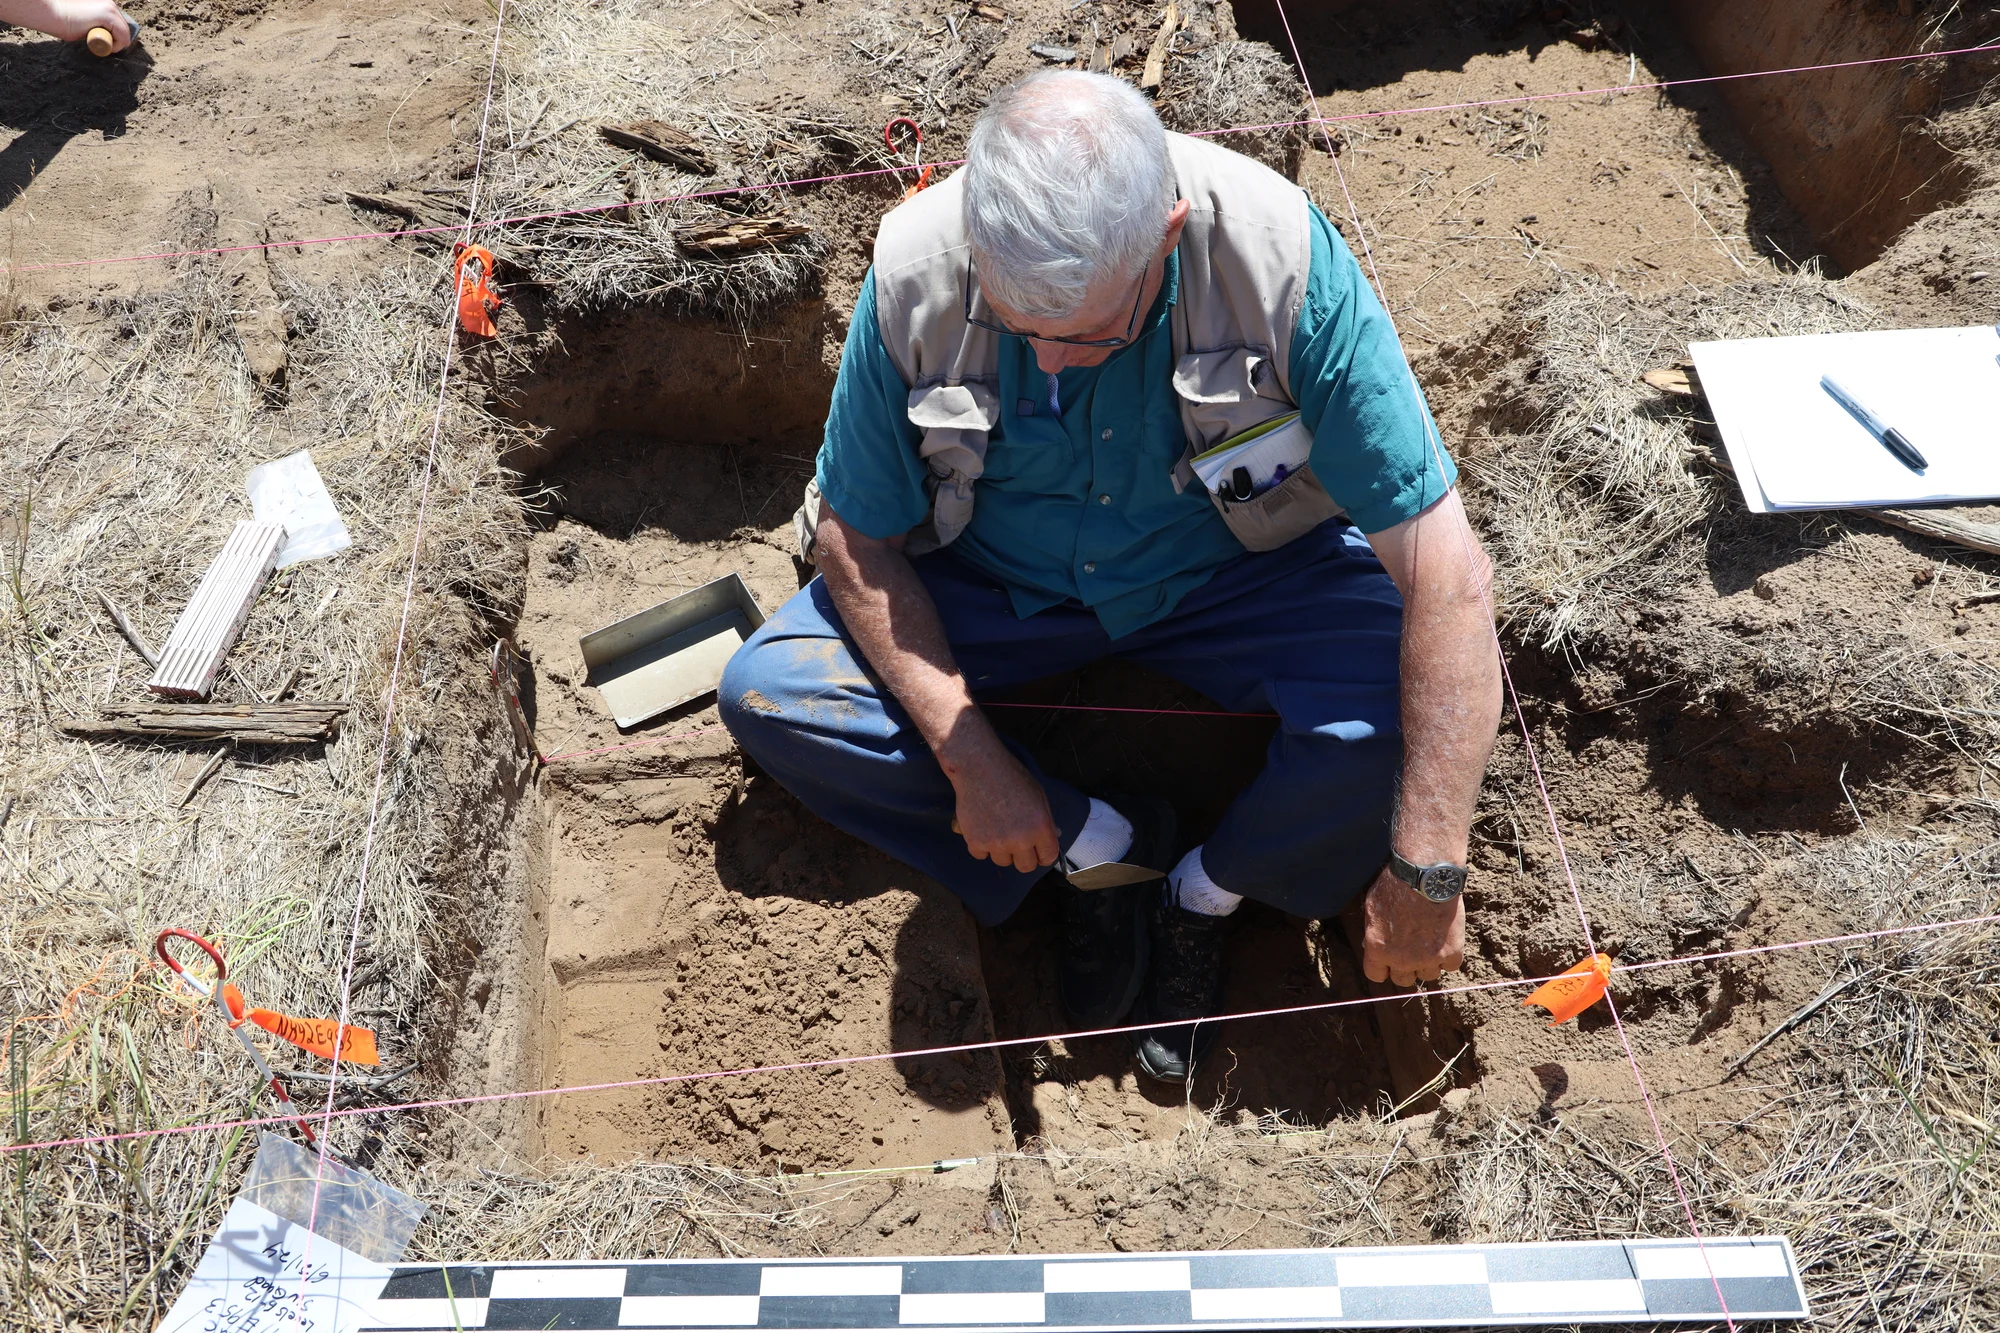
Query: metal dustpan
column 668, row 654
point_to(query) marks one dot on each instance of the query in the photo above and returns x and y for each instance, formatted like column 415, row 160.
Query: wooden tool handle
column 99, row 40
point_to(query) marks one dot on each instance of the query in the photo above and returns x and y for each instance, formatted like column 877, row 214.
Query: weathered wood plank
column 302, row 723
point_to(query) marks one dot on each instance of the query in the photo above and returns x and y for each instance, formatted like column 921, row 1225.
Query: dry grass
column 571, row 68
column 125, row 431
column 1864, row 1134
column 1601, row 506
column 1234, row 83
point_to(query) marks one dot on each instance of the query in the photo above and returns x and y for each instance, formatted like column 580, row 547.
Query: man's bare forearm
column 1451, row 684
column 1002, row 812
column 1451, row 710
column 887, row 609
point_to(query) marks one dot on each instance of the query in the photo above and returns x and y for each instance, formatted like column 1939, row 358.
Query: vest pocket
column 1232, row 393
column 955, row 419
column 1292, row 508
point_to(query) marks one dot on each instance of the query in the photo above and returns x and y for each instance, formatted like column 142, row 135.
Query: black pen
column 1890, row 438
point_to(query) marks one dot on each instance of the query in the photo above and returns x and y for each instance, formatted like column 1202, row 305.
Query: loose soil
column 663, row 911
column 696, row 918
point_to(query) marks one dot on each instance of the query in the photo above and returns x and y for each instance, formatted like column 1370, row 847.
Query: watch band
column 1440, row 882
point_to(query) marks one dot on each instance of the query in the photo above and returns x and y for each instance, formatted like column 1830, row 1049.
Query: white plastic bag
column 288, row 491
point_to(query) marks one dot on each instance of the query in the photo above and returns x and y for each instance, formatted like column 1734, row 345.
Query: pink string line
column 402, row 639
column 439, row 1103
column 1500, row 653
column 1062, row 708
column 561, row 755
column 1151, row 712
column 1314, row 120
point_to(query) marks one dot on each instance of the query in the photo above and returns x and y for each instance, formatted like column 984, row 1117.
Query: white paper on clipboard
column 1793, row 447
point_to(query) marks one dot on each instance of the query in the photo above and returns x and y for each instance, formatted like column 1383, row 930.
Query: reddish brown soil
column 695, row 920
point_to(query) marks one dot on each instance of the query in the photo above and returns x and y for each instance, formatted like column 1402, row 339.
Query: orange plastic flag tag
column 476, row 300
column 1574, row 991
column 309, row 1034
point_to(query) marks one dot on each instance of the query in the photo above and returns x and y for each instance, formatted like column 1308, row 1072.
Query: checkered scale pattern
column 1564, row 1283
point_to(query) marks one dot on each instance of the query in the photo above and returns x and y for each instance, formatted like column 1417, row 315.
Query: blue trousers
column 1310, row 631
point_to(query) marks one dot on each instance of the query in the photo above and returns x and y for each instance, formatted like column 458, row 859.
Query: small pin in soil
column 1575, row 990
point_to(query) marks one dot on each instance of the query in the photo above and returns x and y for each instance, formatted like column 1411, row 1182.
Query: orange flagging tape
column 477, row 302
column 308, row 1034
column 1574, row 991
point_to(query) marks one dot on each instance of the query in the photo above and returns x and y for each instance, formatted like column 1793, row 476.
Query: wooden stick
column 300, row 723
column 1799, row 1015
column 207, row 772
column 1943, row 524
column 131, row 633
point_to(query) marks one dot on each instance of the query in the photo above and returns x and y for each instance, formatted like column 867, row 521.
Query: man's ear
column 1176, row 221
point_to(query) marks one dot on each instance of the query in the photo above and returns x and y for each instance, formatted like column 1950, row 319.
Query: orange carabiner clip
column 917, row 134
column 477, row 301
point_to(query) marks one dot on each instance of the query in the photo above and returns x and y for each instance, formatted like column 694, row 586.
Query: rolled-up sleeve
column 1375, row 446
column 868, row 468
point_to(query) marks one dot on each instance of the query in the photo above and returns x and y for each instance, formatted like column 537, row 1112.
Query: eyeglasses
column 995, row 326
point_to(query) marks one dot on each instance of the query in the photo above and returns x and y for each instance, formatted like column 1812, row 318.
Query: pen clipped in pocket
column 1247, row 464
column 1262, row 481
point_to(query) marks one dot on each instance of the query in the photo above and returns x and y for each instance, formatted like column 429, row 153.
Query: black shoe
column 1104, row 933
column 1185, row 982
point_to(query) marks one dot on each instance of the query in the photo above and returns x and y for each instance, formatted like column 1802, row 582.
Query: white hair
column 1067, row 184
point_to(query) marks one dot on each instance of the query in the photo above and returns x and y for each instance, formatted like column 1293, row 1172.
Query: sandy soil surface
column 742, row 907
column 679, row 915
column 277, row 108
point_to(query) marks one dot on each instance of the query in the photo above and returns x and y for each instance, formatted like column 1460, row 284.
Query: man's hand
column 1408, row 937
column 1003, row 813
column 70, row 20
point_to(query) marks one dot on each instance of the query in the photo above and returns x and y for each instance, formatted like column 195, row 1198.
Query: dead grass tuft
column 1600, row 506
column 126, row 430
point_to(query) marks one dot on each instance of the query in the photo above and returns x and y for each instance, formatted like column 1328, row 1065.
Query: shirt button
column 1090, row 566
column 1104, row 499
column 1105, row 436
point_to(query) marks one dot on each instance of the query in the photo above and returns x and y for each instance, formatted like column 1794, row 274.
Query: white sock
column 1191, row 887
column 1106, row 836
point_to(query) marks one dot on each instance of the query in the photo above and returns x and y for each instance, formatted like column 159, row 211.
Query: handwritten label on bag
column 263, row 1274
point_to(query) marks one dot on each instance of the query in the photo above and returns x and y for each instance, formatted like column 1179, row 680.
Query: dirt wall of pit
column 1851, row 148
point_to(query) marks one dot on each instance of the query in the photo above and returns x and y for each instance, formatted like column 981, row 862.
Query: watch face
column 1442, row 883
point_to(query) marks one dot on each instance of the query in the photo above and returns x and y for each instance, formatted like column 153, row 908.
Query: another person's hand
column 70, row 20
column 1003, row 813
column 1408, row 937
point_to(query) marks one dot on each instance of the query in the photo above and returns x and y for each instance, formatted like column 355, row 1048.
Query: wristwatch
column 1439, row 883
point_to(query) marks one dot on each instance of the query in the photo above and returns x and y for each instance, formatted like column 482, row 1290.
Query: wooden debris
column 132, row 635
column 1942, row 524
column 1670, row 379
column 988, row 12
column 1964, row 604
column 6, row 813
column 1155, row 72
column 411, row 207
column 1055, row 55
column 720, row 239
column 661, row 142
column 214, row 616
column 302, row 723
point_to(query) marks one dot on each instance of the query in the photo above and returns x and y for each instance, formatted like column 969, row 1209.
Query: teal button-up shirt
column 1077, row 502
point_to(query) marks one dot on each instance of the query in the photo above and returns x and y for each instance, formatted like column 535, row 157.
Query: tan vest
column 1245, row 256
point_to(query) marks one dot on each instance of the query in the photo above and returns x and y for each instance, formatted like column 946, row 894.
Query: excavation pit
column 691, row 917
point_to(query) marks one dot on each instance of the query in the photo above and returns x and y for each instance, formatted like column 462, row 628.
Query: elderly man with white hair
column 1114, row 392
